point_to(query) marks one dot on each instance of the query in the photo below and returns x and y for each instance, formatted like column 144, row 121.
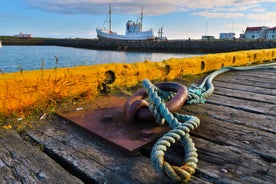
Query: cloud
column 205, row 8
column 247, row 9
column 219, row 15
column 268, row 16
column 6, row 15
column 96, row 7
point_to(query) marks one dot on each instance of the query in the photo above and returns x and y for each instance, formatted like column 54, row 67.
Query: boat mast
column 109, row 18
column 141, row 18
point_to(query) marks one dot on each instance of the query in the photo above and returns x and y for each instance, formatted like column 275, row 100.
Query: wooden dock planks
column 235, row 141
column 22, row 163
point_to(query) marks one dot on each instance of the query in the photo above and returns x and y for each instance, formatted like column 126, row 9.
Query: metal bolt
column 108, row 117
column 224, row 170
column 147, row 131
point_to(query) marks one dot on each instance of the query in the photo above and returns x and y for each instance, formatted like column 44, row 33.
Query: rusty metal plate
column 104, row 117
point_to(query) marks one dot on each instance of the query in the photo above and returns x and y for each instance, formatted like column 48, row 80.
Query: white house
column 256, row 32
column 227, row 36
column 271, row 33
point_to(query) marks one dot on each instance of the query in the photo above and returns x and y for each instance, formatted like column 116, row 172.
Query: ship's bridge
column 132, row 27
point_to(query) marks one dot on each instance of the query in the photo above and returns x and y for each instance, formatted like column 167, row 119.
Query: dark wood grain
column 22, row 163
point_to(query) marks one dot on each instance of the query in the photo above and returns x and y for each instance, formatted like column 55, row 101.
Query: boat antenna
column 141, row 18
column 206, row 27
column 160, row 32
column 109, row 18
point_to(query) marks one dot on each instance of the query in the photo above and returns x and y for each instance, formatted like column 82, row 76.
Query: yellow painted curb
column 20, row 90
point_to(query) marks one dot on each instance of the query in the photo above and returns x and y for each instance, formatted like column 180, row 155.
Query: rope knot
column 195, row 95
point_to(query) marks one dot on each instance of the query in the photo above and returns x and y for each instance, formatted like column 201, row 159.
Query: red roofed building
column 271, row 33
column 256, row 32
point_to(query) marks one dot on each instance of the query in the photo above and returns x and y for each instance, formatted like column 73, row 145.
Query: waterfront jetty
column 235, row 142
column 186, row 46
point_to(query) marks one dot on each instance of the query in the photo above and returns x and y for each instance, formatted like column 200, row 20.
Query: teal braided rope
column 198, row 94
column 182, row 125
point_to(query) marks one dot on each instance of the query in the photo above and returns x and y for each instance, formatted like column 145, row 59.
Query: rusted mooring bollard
column 136, row 107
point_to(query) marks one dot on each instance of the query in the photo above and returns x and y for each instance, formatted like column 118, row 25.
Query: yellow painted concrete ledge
column 22, row 89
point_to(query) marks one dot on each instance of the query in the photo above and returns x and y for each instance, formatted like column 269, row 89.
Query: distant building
column 242, row 36
column 208, row 37
column 271, row 33
column 227, row 36
column 22, row 35
column 256, row 32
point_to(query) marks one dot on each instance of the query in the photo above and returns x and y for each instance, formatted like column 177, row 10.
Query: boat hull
column 145, row 35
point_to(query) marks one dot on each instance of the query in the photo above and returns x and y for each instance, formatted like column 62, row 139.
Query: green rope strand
column 198, row 94
column 182, row 125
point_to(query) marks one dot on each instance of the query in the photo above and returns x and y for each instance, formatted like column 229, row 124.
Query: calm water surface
column 14, row 58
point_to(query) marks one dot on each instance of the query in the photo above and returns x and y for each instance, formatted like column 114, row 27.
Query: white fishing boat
column 0, row 43
column 23, row 35
column 133, row 31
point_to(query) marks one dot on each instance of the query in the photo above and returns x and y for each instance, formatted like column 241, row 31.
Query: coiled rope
column 182, row 124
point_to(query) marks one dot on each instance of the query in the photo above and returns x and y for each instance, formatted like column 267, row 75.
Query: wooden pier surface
column 236, row 143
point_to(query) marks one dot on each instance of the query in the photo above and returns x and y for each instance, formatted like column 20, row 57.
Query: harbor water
column 22, row 58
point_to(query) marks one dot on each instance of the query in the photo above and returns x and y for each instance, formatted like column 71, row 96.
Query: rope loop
column 182, row 125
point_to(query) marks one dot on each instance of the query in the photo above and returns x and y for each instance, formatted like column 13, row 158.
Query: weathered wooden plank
column 246, row 105
column 257, row 76
column 272, row 169
column 223, row 163
column 234, row 116
column 245, row 88
column 245, row 80
column 229, row 164
column 260, row 74
column 264, row 85
column 251, row 96
column 23, row 163
column 219, row 132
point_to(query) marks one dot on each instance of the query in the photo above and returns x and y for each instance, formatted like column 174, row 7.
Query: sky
column 180, row 19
